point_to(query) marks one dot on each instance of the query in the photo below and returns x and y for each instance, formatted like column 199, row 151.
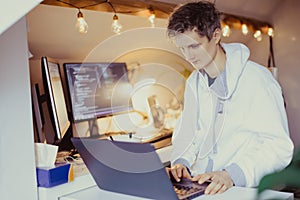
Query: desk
column 233, row 193
column 84, row 187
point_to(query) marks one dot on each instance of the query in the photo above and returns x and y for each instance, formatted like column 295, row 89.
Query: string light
column 81, row 24
column 226, row 31
column 116, row 26
column 271, row 32
column 152, row 16
column 228, row 21
column 257, row 35
column 245, row 29
column 246, row 25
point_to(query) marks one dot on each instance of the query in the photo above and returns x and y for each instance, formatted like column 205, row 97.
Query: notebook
column 132, row 169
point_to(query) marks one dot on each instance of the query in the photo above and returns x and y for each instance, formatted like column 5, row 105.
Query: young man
column 233, row 129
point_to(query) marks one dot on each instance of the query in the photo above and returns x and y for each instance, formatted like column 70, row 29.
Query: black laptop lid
column 125, row 167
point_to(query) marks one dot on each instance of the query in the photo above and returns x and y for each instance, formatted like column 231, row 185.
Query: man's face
column 197, row 50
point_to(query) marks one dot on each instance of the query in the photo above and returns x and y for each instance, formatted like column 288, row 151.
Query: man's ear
column 217, row 35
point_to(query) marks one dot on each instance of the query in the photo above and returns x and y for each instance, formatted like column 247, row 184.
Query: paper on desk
column 45, row 154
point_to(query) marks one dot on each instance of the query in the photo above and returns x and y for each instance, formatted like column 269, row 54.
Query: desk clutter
column 74, row 159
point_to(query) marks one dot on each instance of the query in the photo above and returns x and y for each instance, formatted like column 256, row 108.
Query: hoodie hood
column 237, row 56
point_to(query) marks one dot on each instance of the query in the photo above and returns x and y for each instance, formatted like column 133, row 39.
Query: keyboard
column 187, row 189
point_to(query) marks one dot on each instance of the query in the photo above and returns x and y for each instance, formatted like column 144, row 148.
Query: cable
column 106, row 1
column 271, row 54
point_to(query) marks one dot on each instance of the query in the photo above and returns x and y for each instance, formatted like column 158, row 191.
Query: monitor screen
column 54, row 96
column 98, row 89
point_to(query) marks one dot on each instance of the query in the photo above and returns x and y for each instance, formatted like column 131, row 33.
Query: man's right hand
column 178, row 171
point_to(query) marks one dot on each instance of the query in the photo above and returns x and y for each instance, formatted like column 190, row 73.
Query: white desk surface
column 233, row 193
column 84, row 187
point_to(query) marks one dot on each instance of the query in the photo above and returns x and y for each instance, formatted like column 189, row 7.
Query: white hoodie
column 238, row 123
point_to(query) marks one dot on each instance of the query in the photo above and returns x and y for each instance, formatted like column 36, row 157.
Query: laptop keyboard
column 186, row 189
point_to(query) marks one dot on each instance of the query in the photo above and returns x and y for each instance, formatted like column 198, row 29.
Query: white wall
column 12, row 10
column 17, row 163
column 286, row 50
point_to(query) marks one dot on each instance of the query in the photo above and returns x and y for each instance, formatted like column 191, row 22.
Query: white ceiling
column 52, row 28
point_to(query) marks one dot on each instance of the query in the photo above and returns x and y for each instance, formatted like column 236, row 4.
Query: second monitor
column 98, row 89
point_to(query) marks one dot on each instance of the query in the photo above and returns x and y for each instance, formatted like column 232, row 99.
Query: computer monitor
column 39, row 121
column 98, row 89
column 50, row 111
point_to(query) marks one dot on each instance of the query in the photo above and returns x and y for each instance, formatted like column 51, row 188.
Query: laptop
column 132, row 169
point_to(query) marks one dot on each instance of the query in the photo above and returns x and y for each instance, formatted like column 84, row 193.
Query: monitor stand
column 65, row 144
column 93, row 128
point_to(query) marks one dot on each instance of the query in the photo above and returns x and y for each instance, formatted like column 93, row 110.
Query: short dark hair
column 201, row 15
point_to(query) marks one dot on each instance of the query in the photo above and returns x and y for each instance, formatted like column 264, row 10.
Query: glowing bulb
column 259, row 38
column 244, row 29
column 151, row 19
column 226, row 31
column 257, row 35
column 81, row 24
column 116, row 26
column 152, row 16
column 271, row 32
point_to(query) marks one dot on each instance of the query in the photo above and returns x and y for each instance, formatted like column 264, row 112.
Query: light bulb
column 257, row 35
column 116, row 26
column 81, row 24
column 259, row 38
column 226, row 31
column 151, row 18
column 271, row 32
column 244, row 29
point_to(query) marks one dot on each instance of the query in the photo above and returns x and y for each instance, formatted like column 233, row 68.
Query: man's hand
column 220, row 181
column 178, row 171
